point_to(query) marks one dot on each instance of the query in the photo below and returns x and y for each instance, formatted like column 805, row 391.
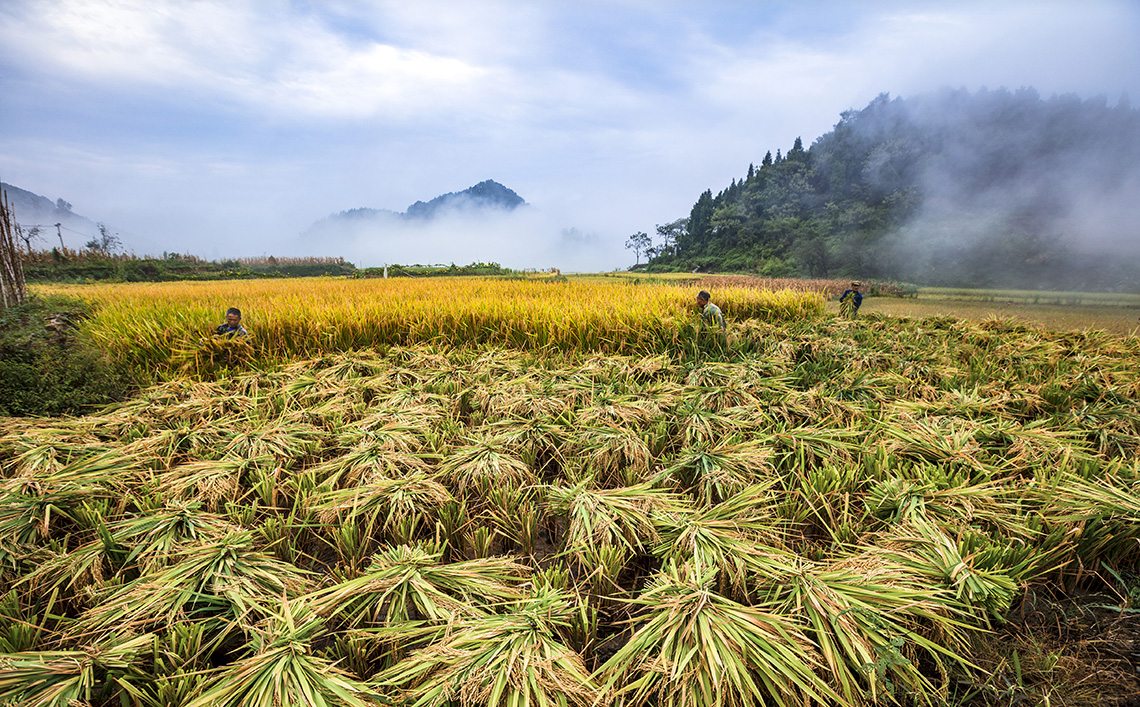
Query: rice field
column 149, row 324
column 418, row 505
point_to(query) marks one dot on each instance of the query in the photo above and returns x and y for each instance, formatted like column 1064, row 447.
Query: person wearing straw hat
column 850, row 301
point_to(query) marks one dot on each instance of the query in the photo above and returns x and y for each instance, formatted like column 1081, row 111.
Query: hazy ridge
column 992, row 188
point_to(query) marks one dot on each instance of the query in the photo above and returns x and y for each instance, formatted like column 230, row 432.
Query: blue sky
column 225, row 128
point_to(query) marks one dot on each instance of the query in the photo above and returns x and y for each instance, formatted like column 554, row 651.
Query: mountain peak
column 485, row 194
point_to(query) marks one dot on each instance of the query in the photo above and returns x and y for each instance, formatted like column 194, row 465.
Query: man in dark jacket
column 850, row 301
column 232, row 328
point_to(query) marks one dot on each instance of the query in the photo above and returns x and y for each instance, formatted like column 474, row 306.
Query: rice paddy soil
column 1078, row 649
column 1117, row 319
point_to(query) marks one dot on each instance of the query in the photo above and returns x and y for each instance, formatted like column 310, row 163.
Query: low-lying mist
column 519, row 239
column 1025, row 192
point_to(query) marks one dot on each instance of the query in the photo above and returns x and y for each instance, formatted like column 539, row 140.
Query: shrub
column 47, row 365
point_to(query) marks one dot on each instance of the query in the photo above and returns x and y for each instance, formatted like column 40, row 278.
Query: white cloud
column 380, row 80
column 241, row 52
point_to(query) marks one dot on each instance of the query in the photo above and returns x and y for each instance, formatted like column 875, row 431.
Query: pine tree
column 699, row 224
column 797, row 152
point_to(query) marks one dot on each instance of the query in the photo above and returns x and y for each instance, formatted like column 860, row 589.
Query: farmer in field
column 710, row 313
column 850, row 301
column 232, row 328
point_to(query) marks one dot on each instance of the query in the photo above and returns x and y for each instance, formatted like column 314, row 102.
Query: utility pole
column 60, row 234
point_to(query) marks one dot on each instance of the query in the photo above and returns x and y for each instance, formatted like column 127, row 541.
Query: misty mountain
column 31, row 210
column 484, row 223
column 993, row 188
column 485, row 196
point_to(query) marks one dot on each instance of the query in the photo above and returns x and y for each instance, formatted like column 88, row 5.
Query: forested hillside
column 994, row 188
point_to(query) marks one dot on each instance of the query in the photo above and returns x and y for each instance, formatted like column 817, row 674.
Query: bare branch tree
column 638, row 243
column 27, row 235
column 107, row 242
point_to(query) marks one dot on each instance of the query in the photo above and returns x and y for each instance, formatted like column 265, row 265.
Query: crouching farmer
column 712, row 321
column 710, row 313
column 232, row 329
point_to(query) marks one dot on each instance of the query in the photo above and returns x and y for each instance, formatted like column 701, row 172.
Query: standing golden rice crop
column 141, row 323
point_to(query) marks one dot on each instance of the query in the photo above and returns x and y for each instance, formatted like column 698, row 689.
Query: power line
column 54, row 225
column 74, row 231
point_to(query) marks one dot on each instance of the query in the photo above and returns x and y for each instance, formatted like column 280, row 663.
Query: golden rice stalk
column 713, row 472
column 540, row 441
column 366, row 463
column 510, row 399
column 737, row 538
column 502, row 660
column 71, row 677
column 929, row 552
column 143, row 326
column 404, row 432
column 226, row 579
column 284, row 441
column 210, row 356
column 871, row 625
column 45, row 449
column 156, row 536
column 385, row 503
column 215, row 483
column 619, row 517
column 182, row 442
column 609, row 451
column 692, row 647
column 619, row 411
column 937, row 440
column 700, row 425
column 282, row 667
column 409, row 583
column 482, row 465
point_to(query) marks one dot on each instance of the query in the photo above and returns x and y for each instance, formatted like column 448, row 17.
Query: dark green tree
column 670, row 234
